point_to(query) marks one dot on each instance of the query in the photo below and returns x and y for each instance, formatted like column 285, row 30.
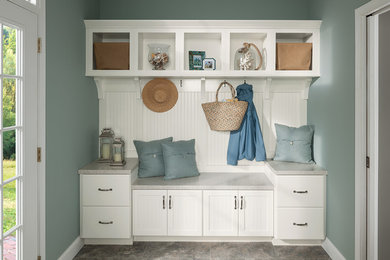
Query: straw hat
column 159, row 95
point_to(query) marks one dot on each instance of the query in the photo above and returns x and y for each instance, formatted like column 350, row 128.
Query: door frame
column 40, row 11
column 361, row 123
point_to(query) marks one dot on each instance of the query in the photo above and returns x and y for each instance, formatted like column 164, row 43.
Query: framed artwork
column 209, row 64
column 196, row 59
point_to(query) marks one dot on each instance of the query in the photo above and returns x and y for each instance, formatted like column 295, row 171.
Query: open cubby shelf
column 218, row 39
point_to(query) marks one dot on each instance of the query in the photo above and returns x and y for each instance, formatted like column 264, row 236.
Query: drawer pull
column 235, row 202
column 242, row 202
column 300, row 225
column 301, row 191
column 100, row 189
column 163, row 202
column 106, row 223
column 170, row 202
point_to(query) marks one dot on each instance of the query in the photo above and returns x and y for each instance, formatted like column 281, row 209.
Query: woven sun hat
column 159, row 95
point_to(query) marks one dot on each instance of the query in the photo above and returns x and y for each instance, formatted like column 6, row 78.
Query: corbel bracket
column 203, row 88
column 267, row 90
column 305, row 91
column 99, row 86
column 137, row 81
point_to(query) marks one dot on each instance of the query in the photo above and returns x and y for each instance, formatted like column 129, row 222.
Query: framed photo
column 196, row 59
column 209, row 64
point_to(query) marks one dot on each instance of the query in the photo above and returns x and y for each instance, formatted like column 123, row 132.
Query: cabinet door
column 184, row 213
column 220, row 213
column 256, row 213
column 150, row 212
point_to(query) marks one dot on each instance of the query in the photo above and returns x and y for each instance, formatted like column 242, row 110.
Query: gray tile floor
column 201, row 251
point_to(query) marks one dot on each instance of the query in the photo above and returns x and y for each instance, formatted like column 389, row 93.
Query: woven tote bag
column 225, row 116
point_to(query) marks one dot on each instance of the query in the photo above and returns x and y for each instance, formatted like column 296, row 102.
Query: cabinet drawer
column 105, row 190
column 301, row 191
column 300, row 223
column 106, row 222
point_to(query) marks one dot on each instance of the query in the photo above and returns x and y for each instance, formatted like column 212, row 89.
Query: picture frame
column 209, row 64
column 196, row 59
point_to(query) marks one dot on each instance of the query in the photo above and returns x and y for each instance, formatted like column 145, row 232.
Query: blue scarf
column 246, row 142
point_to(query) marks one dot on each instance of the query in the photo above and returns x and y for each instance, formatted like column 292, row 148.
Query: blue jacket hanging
column 246, row 142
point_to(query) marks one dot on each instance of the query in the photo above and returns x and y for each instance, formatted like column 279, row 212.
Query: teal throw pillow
column 150, row 157
column 179, row 159
column 294, row 144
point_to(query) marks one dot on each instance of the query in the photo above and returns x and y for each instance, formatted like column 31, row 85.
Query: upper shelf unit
column 218, row 39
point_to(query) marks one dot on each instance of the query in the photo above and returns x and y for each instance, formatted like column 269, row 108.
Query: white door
column 150, row 212
column 18, row 131
column 220, row 213
column 378, row 137
column 256, row 213
column 184, row 213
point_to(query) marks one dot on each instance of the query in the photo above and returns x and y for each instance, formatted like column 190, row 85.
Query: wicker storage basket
column 293, row 56
column 225, row 116
column 111, row 55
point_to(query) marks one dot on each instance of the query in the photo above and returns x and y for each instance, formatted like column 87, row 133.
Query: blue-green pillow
column 179, row 159
column 294, row 144
column 150, row 157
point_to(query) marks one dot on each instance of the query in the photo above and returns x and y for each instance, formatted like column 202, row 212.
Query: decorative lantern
column 118, row 151
column 245, row 58
column 106, row 139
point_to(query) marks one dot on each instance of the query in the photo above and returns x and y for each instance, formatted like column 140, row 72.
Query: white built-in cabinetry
column 237, row 213
column 220, row 39
column 105, row 206
column 202, row 213
column 167, row 212
column 300, row 201
column 286, row 203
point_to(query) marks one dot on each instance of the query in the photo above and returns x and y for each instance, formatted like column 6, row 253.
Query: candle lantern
column 106, row 140
column 118, row 151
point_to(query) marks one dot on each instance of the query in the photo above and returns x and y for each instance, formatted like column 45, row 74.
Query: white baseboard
column 72, row 250
column 332, row 250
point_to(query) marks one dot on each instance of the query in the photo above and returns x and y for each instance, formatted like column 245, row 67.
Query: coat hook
column 244, row 81
column 181, row 83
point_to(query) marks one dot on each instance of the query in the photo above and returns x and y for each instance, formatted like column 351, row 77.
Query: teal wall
column 71, row 119
column 204, row 9
column 331, row 109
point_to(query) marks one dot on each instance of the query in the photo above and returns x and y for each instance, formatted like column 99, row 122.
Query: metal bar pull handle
column 242, row 202
column 235, row 202
column 106, row 222
column 100, row 189
column 163, row 202
column 301, row 191
column 300, row 225
column 170, row 202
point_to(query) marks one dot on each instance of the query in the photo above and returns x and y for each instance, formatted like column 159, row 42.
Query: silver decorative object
column 158, row 55
column 118, row 151
column 106, row 140
column 245, row 58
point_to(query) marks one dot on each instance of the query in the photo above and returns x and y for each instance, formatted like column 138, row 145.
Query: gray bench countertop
column 290, row 168
column 207, row 181
column 105, row 168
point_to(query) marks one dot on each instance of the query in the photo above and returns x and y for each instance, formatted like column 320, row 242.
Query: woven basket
column 225, row 116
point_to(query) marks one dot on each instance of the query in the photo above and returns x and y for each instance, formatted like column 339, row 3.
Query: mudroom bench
column 282, row 202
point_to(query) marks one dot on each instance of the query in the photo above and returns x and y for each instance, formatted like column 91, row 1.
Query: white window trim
column 29, row 6
column 360, row 123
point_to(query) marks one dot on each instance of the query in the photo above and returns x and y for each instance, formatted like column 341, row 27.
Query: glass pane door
column 10, row 132
column 18, row 133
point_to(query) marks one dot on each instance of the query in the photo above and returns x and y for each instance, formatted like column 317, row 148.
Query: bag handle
column 232, row 90
column 248, row 45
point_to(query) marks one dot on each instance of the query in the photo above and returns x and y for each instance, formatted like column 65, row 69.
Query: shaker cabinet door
column 220, row 213
column 256, row 213
column 150, row 212
column 184, row 213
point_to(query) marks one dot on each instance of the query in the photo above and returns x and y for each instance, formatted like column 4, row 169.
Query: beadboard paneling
column 124, row 111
